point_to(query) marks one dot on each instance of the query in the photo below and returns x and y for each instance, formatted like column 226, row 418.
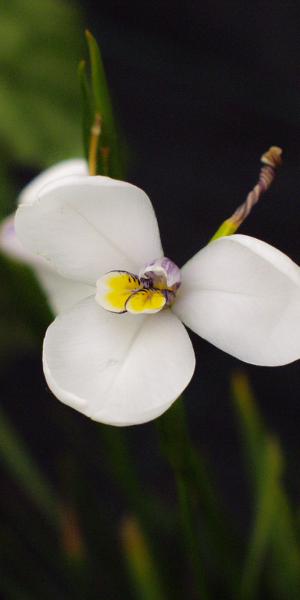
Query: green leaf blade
column 103, row 106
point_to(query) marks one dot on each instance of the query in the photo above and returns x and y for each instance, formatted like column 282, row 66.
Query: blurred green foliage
column 274, row 543
column 40, row 46
column 69, row 538
column 40, row 123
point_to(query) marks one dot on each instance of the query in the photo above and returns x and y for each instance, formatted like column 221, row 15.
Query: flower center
column 153, row 289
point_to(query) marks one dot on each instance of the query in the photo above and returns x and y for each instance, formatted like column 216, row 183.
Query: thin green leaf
column 186, row 459
column 86, row 107
column 284, row 568
column 266, row 512
column 278, row 533
column 101, row 95
column 251, row 425
column 143, row 572
column 103, row 106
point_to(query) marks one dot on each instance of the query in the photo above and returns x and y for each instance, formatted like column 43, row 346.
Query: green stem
column 227, row 228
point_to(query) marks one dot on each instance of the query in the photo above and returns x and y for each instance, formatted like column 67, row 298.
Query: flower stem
column 175, row 446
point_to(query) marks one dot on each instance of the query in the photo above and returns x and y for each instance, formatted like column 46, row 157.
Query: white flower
column 61, row 293
column 238, row 292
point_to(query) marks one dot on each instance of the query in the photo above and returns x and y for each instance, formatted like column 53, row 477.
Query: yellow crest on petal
column 114, row 289
column 145, row 301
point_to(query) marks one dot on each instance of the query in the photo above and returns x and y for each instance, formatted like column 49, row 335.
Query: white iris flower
column 120, row 352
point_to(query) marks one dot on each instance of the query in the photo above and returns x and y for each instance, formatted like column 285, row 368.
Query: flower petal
column 66, row 168
column 243, row 296
column 86, row 226
column 117, row 369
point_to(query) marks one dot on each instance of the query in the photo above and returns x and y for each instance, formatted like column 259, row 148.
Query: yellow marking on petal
column 114, row 289
column 145, row 301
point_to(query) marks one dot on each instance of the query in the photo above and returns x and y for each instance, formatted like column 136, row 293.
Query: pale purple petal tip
column 163, row 268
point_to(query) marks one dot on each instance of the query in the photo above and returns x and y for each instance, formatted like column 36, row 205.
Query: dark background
column 201, row 90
